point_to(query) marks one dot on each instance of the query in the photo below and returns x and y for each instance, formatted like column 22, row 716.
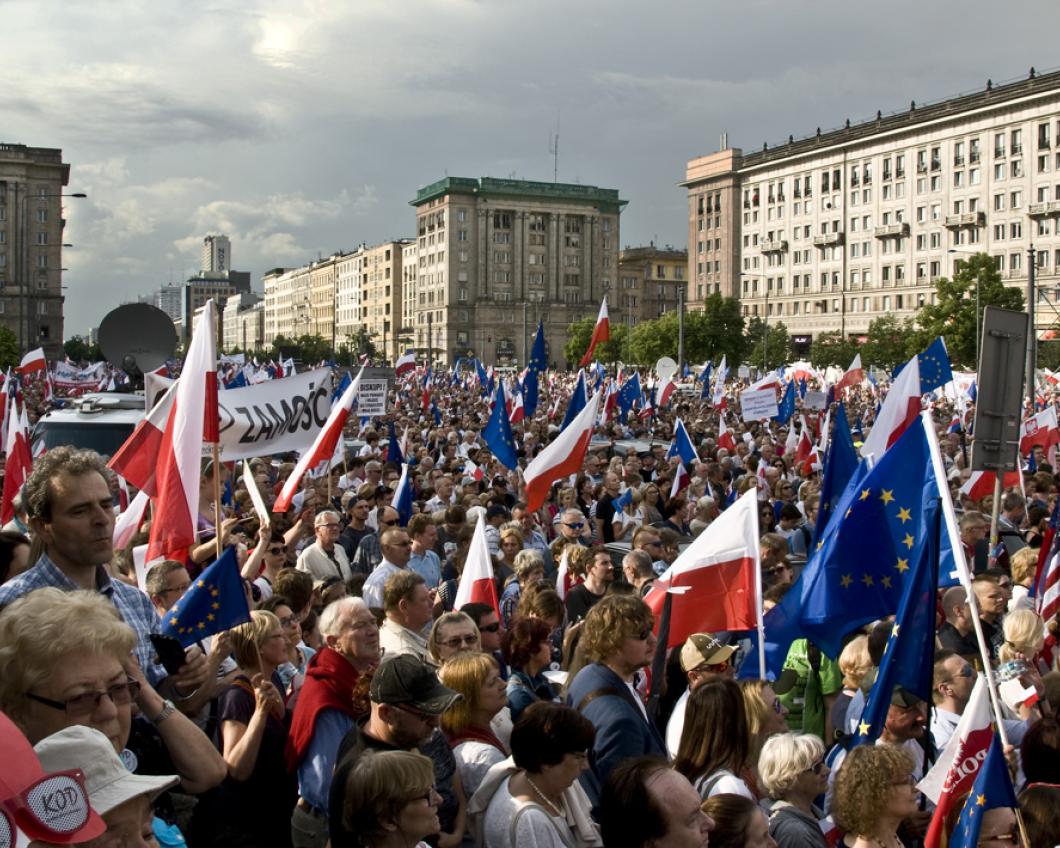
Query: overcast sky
column 302, row 128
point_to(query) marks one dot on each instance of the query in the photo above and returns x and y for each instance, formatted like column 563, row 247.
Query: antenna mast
column 553, row 149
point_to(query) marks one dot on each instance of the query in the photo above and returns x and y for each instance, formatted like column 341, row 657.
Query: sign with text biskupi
column 371, row 397
column 759, row 404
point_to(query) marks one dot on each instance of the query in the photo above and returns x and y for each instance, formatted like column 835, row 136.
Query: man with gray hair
column 323, row 558
column 638, row 571
column 327, row 708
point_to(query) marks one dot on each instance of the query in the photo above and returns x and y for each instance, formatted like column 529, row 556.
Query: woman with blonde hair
column 1023, row 565
column 467, row 723
column 765, row 715
column 792, row 771
column 1024, row 636
column 854, row 664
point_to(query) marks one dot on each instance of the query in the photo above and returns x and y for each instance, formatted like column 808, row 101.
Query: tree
column 716, row 331
column 653, row 340
column 832, row 349
column 953, row 314
column 887, row 343
column 777, row 344
column 9, row 356
column 581, row 332
column 78, row 349
column 361, row 344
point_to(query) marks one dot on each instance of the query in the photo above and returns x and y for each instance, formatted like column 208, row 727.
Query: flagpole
column 215, row 452
column 962, row 567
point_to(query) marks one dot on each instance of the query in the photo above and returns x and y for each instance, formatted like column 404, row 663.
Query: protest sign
column 758, row 404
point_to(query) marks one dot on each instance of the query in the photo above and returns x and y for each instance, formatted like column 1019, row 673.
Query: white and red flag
column 1039, row 430
column 477, row 582
column 601, row 333
column 406, row 362
column 473, row 471
column 128, row 522
column 900, row 409
column 517, row 412
column 681, row 479
column 715, row 583
column 17, row 463
column 718, row 400
column 954, row 772
column 725, row 437
column 33, row 361
column 805, row 444
column 663, row 393
column 563, row 578
column 852, row 376
column 193, row 421
column 981, row 483
column 323, row 447
column 561, row 457
column 137, row 459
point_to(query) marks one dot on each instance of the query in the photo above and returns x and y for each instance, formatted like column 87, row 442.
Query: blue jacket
column 622, row 731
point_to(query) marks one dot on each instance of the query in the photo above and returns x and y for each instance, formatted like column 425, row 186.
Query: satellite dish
column 665, row 368
column 137, row 337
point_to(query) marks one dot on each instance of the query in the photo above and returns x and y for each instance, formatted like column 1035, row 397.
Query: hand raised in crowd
column 267, row 697
column 193, row 674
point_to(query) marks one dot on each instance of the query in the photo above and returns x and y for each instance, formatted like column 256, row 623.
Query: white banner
column 68, row 375
column 371, row 399
column 815, row 400
column 758, row 404
column 276, row 416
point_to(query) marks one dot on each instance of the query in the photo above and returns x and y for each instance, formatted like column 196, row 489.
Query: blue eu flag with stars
column 934, row 365
column 498, row 432
column 839, row 466
column 858, row 570
column 786, row 408
column 629, row 394
column 214, row 603
column 992, row 789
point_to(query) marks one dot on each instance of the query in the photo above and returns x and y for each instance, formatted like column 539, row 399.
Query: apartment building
column 240, row 319
column 495, row 255
column 32, row 183
column 381, row 306
column 652, row 281
column 833, row 230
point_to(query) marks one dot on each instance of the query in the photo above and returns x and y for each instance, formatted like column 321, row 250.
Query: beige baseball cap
column 704, row 649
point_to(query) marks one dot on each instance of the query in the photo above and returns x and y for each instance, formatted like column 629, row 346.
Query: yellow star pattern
column 845, row 581
column 867, row 579
column 201, row 625
column 904, row 516
column 820, row 544
column 894, row 632
column 887, row 496
column 908, row 541
column 902, row 565
column 173, row 621
column 886, row 581
column 865, row 493
column 980, row 800
column 202, row 583
column 214, row 593
column 210, row 616
column 864, row 728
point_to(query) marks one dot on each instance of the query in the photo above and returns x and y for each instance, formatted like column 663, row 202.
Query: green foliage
column 77, row 348
column 832, row 349
column 581, row 332
column 653, row 340
column 889, row 341
column 716, row 331
column 360, row 343
column 777, row 344
column 953, row 314
column 306, row 348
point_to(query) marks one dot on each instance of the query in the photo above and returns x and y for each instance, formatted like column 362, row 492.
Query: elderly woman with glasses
column 792, row 772
column 874, row 792
column 66, row 659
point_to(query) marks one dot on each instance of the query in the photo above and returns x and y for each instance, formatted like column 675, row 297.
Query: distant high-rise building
column 216, row 254
column 168, row 299
column 32, row 180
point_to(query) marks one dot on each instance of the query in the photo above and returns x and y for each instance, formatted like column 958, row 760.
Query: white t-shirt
column 536, row 827
column 473, row 760
column 722, row 782
column 676, row 724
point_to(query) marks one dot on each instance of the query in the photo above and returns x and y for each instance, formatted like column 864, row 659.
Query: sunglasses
column 967, row 671
column 277, row 551
column 573, row 526
column 457, row 641
column 644, row 632
column 87, row 703
column 57, row 805
column 490, row 628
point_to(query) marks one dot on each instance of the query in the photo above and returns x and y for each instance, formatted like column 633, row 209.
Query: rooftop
column 606, row 198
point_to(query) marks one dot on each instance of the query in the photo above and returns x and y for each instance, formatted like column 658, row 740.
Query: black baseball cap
column 408, row 680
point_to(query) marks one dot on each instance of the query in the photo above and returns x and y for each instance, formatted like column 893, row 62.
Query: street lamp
column 967, row 252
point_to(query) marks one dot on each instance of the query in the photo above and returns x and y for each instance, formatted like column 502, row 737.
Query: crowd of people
column 358, row 706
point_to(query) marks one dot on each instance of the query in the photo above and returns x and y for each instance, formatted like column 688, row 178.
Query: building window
column 502, row 220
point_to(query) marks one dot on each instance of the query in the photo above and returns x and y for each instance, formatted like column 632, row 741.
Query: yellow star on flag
column 902, row 565
column 210, row 616
column 980, row 800
column 201, row 625
column 173, row 621
column 865, row 493
column 845, row 581
column 215, row 606
column 820, row 544
column 887, row 496
column 903, row 515
column 864, row 728
column 894, row 632
column 886, row 581
column 214, row 593
column 867, row 579
column 202, row 583
column 908, row 541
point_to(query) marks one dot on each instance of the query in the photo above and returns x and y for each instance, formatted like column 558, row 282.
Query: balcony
column 1049, row 209
column 773, row 246
column 892, row 230
column 829, row 239
column 968, row 219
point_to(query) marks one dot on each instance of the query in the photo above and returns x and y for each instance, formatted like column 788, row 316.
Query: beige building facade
column 381, row 306
column 652, row 281
column 32, row 183
column 829, row 232
column 494, row 256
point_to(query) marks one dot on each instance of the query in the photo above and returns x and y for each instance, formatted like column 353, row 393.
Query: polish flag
column 791, row 443
column 406, row 363
column 852, row 376
column 17, row 463
column 561, row 457
column 563, row 578
column 725, row 439
column 954, row 772
column 193, row 421
column 805, row 443
column 137, row 459
column 517, row 412
column 1040, row 430
column 681, row 479
column 715, row 582
column 473, row 471
column 478, row 585
column 601, row 333
column 981, row 483
column 33, row 361
column 900, row 409
column 719, row 400
column 128, row 522
column 323, row 446
column 663, row 393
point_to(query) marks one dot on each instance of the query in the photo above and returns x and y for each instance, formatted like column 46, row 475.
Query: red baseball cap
column 49, row 807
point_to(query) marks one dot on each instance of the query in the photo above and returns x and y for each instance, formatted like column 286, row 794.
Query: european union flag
column 237, row 382
column 535, row 366
column 839, row 466
column 992, row 788
column 682, row 446
column 538, row 354
column 437, row 413
column 909, row 656
column 623, row 500
column 860, row 566
column 393, row 449
column 214, row 603
column 934, row 364
column 483, row 378
column 786, row 407
column 402, row 500
column 341, row 388
column 973, row 392
column 704, row 375
column 498, row 432
column 629, row 394
column 579, row 397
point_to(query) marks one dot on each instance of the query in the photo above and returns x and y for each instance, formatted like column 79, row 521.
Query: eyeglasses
column 427, row 797
column 330, row 526
column 967, row 671
column 87, row 703
column 289, row 621
column 490, row 628
column 57, row 804
column 277, row 551
column 574, row 525
column 178, row 589
column 457, row 641
column 404, row 544
column 816, row 767
column 645, row 632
